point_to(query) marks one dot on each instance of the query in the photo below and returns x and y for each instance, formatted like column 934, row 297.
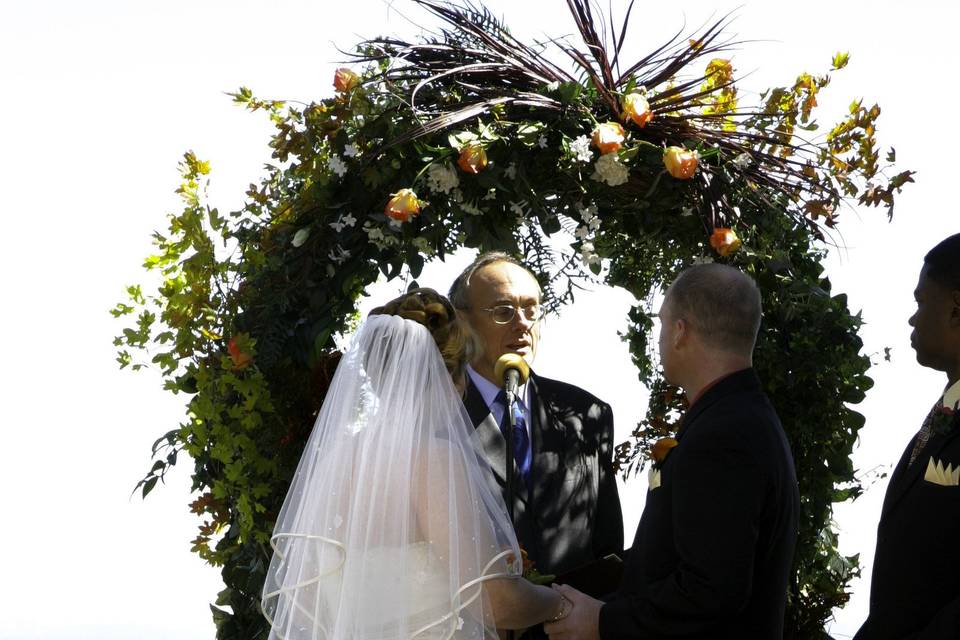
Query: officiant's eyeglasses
column 504, row 313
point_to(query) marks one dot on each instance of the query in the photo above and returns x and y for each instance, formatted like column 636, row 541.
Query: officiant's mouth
column 519, row 347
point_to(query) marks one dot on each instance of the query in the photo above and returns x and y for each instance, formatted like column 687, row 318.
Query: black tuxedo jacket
column 915, row 589
column 714, row 546
column 573, row 513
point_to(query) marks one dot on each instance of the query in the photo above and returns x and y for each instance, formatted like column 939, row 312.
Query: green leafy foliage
column 244, row 319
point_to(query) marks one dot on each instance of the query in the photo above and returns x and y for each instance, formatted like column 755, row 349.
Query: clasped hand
column 582, row 621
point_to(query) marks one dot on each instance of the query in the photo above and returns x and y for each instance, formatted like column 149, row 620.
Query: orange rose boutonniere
column 661, row 449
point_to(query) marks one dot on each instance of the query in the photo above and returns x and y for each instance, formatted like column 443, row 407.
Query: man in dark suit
column 915, row 592
column 713, row 550
column 566, row 508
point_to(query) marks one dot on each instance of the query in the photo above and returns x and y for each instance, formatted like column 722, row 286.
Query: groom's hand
column 583, row 621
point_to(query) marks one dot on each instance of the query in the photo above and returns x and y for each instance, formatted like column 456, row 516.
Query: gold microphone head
column 512, row 361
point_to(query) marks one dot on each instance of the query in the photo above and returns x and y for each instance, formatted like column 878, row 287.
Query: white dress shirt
column 488, row 391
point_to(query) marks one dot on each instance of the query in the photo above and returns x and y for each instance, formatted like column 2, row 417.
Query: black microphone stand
column 511, row 399
column 511, row 476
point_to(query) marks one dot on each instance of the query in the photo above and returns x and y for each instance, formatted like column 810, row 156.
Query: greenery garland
column 473, row 138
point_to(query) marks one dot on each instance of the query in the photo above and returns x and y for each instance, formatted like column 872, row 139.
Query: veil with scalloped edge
column 390, row 526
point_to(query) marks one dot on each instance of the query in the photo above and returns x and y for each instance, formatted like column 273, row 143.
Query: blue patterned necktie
column 521, row 440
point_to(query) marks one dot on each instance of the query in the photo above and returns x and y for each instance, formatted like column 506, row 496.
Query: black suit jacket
column 572, row 515
column 915, row 589
column 714, row 546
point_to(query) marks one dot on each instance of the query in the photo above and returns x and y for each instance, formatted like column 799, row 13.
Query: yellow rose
column 680, row 163
column 661, row 448
column 473, row 158
column 608, row 137
column 724, row 241
column 637, row 109
column 403, row 205
column 344, row 80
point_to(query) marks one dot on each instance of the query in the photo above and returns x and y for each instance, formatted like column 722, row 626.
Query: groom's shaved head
column 721, row 303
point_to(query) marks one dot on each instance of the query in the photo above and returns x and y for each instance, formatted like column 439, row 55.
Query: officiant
column 566, row 510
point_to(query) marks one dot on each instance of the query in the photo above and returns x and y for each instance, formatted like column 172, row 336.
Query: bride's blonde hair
column 453, row 337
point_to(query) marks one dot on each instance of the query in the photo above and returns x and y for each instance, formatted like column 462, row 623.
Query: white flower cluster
column 378, row 238
column 337, row 165
column 609, row 169
column 339, row 255
column 351, row 151
column 471, row 209
column 442, row 178
column 588, row 254
column 581, row 149
column 343, row 221
column 423, row 246
column 591, row 222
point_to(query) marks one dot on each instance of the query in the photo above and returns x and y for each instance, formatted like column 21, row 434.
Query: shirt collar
column 488, row 390
column 952, row 396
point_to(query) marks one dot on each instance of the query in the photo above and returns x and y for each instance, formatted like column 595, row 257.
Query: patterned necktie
column 521, row 440
column 924, row 434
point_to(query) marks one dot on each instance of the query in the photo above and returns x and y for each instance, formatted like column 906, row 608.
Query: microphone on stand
column 514, row 371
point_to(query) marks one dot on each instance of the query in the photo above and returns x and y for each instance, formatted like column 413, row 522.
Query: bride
column 391, row 529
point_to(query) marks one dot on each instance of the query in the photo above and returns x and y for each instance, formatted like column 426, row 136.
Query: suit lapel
column 545, row 463
column 904, row 476
column 492, row 443
column 555, row 450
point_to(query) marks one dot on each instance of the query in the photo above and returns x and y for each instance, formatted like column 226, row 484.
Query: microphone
column 513, row 370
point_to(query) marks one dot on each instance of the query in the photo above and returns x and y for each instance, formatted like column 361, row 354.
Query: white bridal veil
column 390, row 527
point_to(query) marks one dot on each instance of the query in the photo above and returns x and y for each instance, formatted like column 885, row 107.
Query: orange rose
column 608, row 137
column 241, row 359
column 403, row 205
column 680, row 163
column 344, row 80
column 725, row 241
column 473, row 158
column 661, row 448
column 637, row 109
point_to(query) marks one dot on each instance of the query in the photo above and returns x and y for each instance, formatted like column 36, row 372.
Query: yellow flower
column 680, row 163
column 344, row 80
column 724, row 241
column 608, row 137
column 661, row 448
column 637, row 109
column 403, row 205
column 473, row 158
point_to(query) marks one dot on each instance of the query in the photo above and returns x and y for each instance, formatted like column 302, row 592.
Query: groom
column 914, row 592
column 713, row 550
column 566, row 508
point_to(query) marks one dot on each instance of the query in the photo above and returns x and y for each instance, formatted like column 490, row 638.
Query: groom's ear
column 681, row 332
column 955, row 308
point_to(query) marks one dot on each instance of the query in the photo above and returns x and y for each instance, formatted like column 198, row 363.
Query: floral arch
column 474, row 138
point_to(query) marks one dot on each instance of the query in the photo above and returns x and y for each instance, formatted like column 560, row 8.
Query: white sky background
column 98, row 101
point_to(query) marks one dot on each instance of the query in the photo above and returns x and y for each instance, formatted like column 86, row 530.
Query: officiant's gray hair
column 721, row 303
column 458, row 290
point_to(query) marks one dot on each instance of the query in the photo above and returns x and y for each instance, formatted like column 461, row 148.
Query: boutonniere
column 658, row 453
column 660, row 450
column 944, row 420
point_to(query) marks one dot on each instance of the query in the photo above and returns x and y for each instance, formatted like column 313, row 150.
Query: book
column 598, row 578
